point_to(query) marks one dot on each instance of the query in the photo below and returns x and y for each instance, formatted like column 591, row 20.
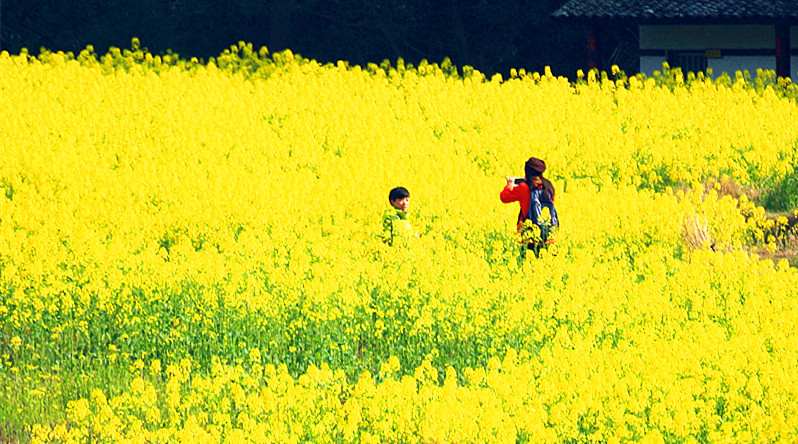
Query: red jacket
column 520, row 194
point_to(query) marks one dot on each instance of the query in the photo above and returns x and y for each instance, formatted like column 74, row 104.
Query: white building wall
column 649, row 64
column 662, row 38
column 794, row 59
column 731, row 64
column 703, row 37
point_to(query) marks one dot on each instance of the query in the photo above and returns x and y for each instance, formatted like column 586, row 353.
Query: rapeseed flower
column 191, row 252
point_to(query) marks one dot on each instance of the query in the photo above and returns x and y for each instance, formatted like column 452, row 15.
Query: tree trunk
column 461, row 41
column 280, row 25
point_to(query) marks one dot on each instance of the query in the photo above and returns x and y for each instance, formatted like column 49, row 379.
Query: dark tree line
column 492, row 36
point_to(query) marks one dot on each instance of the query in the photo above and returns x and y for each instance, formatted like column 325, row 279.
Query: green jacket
column 396, row 228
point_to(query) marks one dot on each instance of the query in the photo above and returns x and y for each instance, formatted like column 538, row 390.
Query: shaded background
column 492, row 36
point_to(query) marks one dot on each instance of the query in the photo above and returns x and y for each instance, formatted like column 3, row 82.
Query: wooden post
column 783, row 50
column 594, row 46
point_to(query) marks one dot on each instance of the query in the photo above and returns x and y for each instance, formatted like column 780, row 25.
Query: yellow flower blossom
column 190, row 252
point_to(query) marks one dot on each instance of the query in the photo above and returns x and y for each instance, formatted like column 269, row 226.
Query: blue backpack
column 538, row 199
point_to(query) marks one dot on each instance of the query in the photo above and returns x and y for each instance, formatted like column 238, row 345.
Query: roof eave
column 582, row 19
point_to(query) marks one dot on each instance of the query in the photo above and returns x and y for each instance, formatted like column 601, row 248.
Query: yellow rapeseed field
column 190, row 252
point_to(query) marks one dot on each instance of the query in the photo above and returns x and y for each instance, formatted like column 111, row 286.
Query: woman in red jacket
column 533, row 193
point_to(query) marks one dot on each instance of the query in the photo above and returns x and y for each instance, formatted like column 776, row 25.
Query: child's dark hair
column 398, row 193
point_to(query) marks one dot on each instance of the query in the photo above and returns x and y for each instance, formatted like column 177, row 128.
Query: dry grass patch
column 780, row 227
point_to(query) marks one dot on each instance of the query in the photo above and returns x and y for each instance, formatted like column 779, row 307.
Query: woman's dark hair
column 398, row 193
column 533, row 169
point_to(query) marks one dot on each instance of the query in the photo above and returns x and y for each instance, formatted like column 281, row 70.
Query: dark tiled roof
column 680, row 9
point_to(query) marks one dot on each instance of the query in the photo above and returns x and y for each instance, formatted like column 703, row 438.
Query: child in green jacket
column 396, row 228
